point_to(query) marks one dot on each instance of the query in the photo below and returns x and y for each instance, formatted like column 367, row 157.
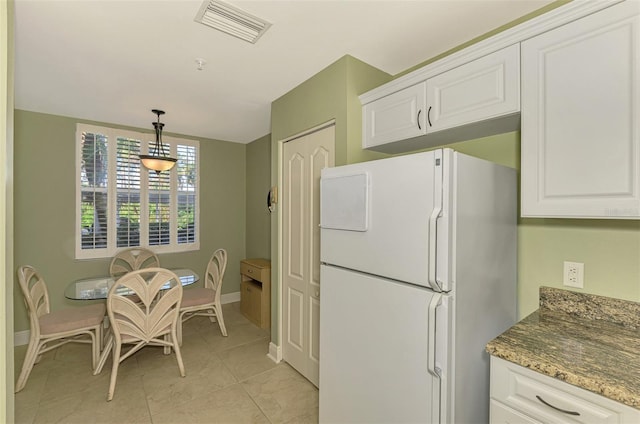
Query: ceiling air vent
column 226, row 18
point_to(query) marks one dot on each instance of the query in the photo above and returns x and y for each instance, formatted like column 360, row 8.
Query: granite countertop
column 589, row 341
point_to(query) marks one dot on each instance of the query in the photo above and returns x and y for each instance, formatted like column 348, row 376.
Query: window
column 122, row 204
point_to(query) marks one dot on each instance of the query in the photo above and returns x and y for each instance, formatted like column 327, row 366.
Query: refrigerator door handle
column 431, row 351
column 433, row 238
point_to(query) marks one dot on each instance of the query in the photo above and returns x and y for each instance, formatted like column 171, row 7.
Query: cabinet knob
column 418, row 118
column 429, row 116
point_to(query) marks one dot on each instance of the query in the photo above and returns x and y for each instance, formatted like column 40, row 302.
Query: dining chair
column 50, row 330
column 132, row 259
column 150, row 320
column 205, row 301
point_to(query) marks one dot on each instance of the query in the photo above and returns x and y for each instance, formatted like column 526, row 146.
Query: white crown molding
column 545, row 22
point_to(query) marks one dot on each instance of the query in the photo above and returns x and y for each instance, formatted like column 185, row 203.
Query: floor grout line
column 256, row 403
column 200, row 351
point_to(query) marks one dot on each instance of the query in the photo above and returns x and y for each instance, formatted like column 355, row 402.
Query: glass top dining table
column 98, row 287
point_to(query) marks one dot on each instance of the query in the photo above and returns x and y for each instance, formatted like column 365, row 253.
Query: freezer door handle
column 431, row 351
column 433, row 238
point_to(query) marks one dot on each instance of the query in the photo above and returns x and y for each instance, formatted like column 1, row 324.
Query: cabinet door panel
column 581, row 117
column 485, row 88
column 250, row 298
column 398, row 116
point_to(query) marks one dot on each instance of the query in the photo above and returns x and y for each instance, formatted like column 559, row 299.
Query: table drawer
column 257, row 273
column 553, row 401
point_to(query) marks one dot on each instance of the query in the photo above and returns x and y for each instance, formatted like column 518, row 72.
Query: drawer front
column 253, row 271
column 550, row 400
column 502, row 414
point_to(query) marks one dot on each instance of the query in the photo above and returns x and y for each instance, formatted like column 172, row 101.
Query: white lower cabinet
column 580, row 138
column 520, row 395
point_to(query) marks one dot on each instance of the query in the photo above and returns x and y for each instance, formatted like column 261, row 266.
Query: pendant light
column 158, row 160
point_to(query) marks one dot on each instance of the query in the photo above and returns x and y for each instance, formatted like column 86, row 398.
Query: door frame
column 275, row 349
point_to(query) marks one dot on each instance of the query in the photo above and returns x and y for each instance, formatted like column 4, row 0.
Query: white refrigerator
column 418, row 273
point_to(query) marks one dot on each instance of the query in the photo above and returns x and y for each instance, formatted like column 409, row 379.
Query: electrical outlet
column 574, row 274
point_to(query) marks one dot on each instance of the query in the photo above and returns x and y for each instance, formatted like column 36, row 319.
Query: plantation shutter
column 159, row 205
column 121, row 204
column 128, row 192
column 187, row 180
column 93, row 191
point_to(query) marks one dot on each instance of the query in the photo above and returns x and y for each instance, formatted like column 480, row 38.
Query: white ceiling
column 113, row 60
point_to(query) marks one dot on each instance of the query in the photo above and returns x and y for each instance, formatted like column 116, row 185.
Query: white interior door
column 304, row 158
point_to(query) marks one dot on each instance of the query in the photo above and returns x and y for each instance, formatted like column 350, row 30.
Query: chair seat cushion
column 72, row 319
column 199, row 296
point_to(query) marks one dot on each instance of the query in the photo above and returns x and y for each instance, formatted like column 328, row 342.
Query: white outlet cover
column 573, row 275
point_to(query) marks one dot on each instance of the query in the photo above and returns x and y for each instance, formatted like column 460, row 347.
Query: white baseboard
column 21, row 338
column 275, row 353
column 230, row 297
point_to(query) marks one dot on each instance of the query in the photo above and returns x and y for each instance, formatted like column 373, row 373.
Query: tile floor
column 229, row 380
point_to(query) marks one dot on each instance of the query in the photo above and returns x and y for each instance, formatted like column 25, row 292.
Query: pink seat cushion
column 199, row 296
column 72, row 319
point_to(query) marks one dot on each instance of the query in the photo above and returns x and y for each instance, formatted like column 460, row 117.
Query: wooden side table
column 255, row 291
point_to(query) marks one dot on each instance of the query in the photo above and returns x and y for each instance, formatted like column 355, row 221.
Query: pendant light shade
column 158, row 160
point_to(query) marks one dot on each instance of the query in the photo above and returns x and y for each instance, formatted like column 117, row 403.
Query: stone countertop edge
column 589, row 341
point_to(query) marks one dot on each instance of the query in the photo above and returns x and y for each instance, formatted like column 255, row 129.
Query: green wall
column 45, row 208
column 495, row 31
column 331, row 94
column 609, row 249
column 258, row 239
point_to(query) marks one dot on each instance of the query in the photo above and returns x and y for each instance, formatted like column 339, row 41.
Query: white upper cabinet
column 395, row 117
column 486, row 88
column 581, row 117
column 480, row 90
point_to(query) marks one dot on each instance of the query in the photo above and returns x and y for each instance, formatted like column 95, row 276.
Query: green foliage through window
column 136, row 189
